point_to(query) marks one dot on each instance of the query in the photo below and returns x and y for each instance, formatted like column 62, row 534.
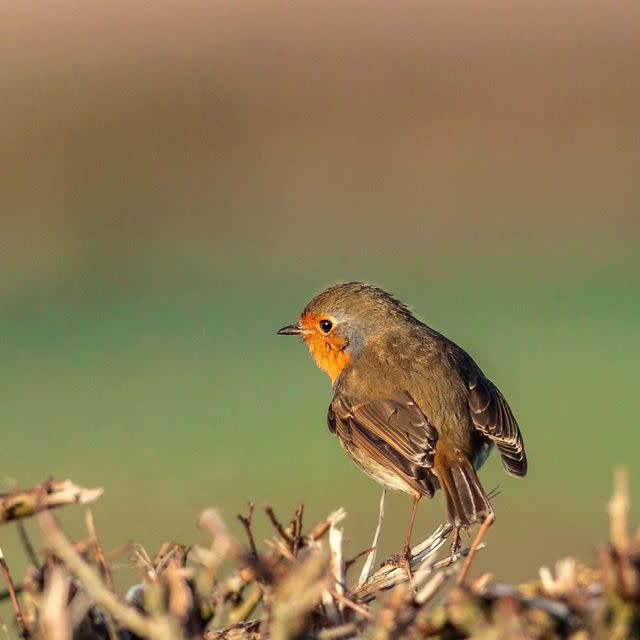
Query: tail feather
column 466, row 500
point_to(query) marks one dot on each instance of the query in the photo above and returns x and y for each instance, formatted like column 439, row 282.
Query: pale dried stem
column 337, row 570
column 431, row 588
column 322, row 527
column 336, row 560
column 371, row 556
column 54, row 622
column 48, row 495
column 619, row 506
column 342, row 631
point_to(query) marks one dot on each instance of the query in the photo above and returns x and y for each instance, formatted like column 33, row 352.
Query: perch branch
column 389, row 575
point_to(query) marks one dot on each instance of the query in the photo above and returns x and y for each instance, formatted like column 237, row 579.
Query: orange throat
column 329, row 354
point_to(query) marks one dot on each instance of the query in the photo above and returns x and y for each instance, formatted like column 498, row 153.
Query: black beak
column 290, row 330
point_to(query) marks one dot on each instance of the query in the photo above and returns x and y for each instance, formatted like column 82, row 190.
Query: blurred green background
column 178, row 180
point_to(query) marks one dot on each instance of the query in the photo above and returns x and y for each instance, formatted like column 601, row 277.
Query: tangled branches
column 299, row 584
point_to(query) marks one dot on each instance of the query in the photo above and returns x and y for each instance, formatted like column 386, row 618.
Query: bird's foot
column 402, row 561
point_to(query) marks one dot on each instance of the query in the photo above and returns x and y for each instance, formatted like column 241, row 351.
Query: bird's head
column 338, row 322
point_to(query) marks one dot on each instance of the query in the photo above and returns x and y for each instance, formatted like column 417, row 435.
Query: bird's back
column 429, row 367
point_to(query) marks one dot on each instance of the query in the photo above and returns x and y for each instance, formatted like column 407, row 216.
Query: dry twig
column 48, row 495
column 12, row 595
column 246, row 522
column 158, row 627
column 277, row 525
column 298, row 583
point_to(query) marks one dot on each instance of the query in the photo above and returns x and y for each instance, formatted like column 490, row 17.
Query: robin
column 410, row 407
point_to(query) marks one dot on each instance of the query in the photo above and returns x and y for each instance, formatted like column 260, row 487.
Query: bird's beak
column 290, row 330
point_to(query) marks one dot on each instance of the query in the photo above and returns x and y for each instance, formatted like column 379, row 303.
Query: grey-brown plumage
column 410, row 407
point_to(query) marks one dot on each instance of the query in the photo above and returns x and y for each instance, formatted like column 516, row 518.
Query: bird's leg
column 455, row 543
column 404, row 560
column 484, row 527
column 412, row 517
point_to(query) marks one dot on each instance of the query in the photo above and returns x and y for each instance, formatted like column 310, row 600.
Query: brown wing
column 393, row 432
column 492, row 416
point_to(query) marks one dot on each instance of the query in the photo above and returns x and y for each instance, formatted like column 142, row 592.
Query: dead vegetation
column 298, row 584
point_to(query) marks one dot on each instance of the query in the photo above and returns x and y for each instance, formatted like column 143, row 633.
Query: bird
column 410, row 407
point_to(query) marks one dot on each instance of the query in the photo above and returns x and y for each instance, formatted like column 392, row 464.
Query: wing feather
column 391, row 431
column 493, row 418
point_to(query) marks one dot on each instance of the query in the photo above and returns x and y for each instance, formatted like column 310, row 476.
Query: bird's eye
column 326, row 325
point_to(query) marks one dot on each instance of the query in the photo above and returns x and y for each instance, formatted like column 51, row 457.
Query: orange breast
column 328, row 353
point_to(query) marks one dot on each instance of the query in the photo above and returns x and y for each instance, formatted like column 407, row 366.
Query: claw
column 402, row 561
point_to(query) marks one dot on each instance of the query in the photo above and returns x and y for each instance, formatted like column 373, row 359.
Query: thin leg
column 486, row 523
column 455, row 543
column 406, row 550
column 404, row 559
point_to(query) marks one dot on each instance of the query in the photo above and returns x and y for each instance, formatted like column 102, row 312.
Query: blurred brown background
column 178, row 179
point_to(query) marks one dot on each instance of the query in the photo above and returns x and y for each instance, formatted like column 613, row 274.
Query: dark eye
column 326, row 325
